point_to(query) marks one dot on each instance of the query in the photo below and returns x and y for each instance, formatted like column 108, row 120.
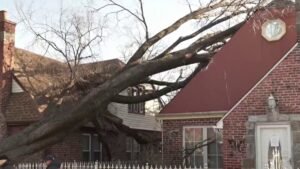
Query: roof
column 21, row 108
column 281, row 4
column 43, row 77
column 236, row 68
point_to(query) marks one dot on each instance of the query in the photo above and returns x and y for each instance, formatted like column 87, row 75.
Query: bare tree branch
column 193, row 15
column 55, row 126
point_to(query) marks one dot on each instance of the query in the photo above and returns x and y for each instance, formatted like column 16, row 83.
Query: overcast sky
column 159, row 14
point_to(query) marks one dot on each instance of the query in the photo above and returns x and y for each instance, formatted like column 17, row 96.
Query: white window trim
column 204, row 129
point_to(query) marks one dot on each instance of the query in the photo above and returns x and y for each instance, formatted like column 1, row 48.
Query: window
column 198, row 155
column 91, row 147
column 86, row 147
column 273, row 30
column 138, row 108
column 128, row 144
column 97, row 147
column 133, row 148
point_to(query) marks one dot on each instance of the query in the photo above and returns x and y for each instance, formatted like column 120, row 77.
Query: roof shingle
column 44, row 77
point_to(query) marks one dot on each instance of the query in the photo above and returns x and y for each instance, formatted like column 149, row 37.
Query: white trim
column 205, row 149
column 220, row 122
column 260, row 126
column 277, row 37
column 191, row 115
column 16, row 88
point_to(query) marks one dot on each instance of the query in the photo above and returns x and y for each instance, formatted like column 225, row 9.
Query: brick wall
column 172, row 138
column 283, row 82
column 117, row 145
column 7, row 31
column 69, row 149
column 38, row 156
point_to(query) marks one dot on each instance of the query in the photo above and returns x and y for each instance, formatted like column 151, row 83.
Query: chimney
column 298, row 19
column 7, row 49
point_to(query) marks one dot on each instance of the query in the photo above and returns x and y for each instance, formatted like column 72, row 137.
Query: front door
column 273, row 147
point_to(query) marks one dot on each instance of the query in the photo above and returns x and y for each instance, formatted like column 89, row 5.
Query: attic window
column 138, row 108
column 273, row 30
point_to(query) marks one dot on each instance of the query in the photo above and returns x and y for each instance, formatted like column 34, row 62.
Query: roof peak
column 281, row 4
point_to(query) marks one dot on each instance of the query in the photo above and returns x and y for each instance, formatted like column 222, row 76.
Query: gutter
column 193, row 115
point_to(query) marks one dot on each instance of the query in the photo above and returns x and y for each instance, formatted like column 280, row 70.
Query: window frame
column 136, row 145
column 100, row 148
column 204, row 136
column 90, row 145
column 91, row 148
column 128, row 142
column 136, row 108
column 132, row 152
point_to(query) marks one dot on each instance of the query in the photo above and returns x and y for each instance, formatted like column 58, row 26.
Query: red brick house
column 247, row 98
column 27, row 82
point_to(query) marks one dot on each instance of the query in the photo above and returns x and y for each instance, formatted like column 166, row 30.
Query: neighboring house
column 28, row 83
column 249, row 97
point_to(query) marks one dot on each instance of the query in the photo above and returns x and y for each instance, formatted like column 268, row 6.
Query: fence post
column 147, row 166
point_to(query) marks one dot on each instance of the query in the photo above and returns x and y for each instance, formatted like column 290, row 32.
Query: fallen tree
column 138, row 70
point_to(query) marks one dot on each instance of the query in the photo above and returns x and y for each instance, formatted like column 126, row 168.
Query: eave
column 193, row 115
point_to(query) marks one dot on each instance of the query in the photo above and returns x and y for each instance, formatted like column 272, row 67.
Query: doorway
column 273, row 146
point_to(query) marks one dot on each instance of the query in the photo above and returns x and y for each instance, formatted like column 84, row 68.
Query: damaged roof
column 42, row 78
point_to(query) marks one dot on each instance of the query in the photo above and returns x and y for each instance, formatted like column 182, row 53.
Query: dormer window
column 138, row 108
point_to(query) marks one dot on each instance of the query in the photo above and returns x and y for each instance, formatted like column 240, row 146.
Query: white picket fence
column 98, row 165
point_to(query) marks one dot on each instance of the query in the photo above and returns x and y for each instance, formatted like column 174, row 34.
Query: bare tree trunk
column 56, row 126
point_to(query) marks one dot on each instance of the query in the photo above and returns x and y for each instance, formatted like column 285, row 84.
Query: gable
column 16, row 87
column 240, row 64
column 255, row 101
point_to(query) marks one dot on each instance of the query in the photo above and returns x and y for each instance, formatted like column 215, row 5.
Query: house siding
column 136, row 121
column 172, row 138
column 145, row 121
column 283, row 82
column 16, row 88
